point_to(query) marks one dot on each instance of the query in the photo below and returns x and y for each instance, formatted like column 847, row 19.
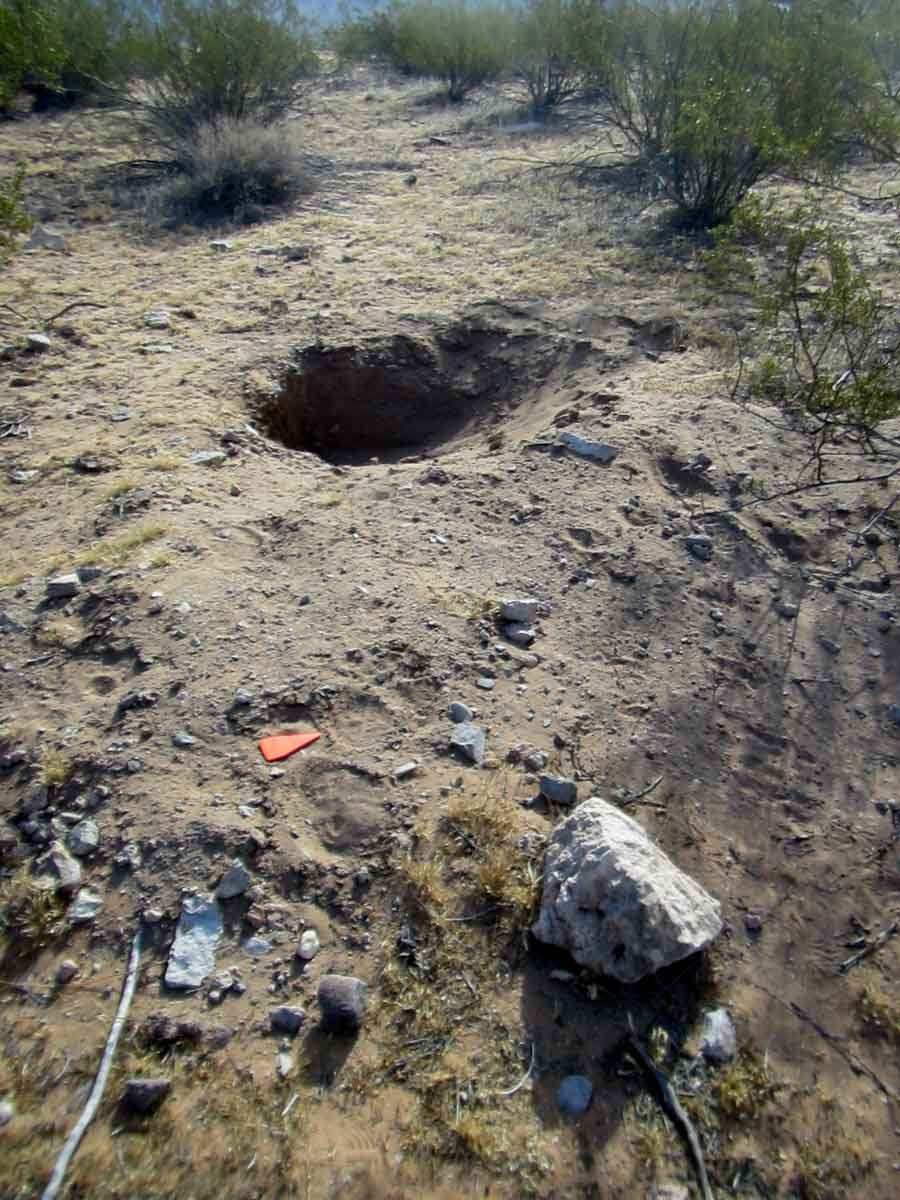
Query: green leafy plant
column 13, row 217
column 31, row 46
column 461, row 43
column 558, row 49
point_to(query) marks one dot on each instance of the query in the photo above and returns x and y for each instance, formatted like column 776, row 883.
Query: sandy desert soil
column 452, row 311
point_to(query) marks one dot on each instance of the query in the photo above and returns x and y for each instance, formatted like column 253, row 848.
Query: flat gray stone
column 718, row 1040
column 220, row 246
column 521, row 635
column 459, row 712
column 85, row 907
column 286, row 1020
column 193, row 954
column 468, row 740
column 586, row 448
column 37, row 343
column 558, row 790
column 63, row 587
column 615, row 901
column 183, row 740
column 700, row 545
column 574, row 1095
column 42, row 237
column 84, row 838
column 59, row 870
column 208, row 458
column 521, row 611
column 234, row 882
column 405, row 770
column 342, row 1003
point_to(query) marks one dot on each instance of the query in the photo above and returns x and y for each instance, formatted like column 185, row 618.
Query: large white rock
column 193, row 954
column 615, row 902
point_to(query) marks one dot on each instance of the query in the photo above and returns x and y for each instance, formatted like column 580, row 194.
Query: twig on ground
column 672, row 1107
column 75, row 304
column 93, row 1102
column 516, row 1086
column 643, row 792
column 884, row 936
column 871, row 524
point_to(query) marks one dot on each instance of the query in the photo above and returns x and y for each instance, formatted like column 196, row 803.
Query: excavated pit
column 402, row 396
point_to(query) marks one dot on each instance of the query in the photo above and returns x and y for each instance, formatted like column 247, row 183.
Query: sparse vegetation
column 878, row 1010
column 57, row 768
column 461, row 43
column 31, row 915
column 14, row 220
column 744, row 1087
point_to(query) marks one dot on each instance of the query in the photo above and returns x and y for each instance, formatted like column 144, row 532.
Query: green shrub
column 31, row 46
column 462, row 44
column 231, row 170
column 212, row 60
column 824, row 343
column 369, row 35
column 558, row 46
column 13, row 217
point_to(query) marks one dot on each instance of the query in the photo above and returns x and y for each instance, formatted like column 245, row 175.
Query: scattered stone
column 574, row 1095
column 193, row 954
column 522, row 612
column 295, row 253
column 585, row 448
column 144, row 1096
column 7, row 1112
column 700, row 545
column 468, row 741
column 66, row 971
column 89, row 574
column 61, row 871
column 615, row 901
column 284, row 1064
column 286, row 1020
column 234, row 882
column 160, row 319
column 44, row 238
column 788, row 610
column 342, row 1003
column 485, row 683
column 753, row 923
column 209, row 458
column 135, row 700
column 152, row 916
column 718, row 1041
column 257, row 947
column 558, row 790
column 63, row 587
column 84, row 838
column 521, row 635
column 220, row 246
column 460, row 713
column 37, row 343
column 669, row 1191
column 183, row 740
column 85, row 907
column 243, row 698
column 405, row 770
column 159, row 1029
column 309, row 945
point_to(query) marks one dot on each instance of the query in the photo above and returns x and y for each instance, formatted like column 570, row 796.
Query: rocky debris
column 160, row 318
column 85, row 907
column 558, row 790
column 486, row 683
column 753, row 923
column 37, row 343
column 59, row 870
column 63, row 587
column 7, row 1112
column 700, row 545
column 66, row 971
column 460, row 713
column 159, row 1029
column 193, row 954
column 42, row 237
column 144, row 1096
column 209, row 458
column 84, row 838
column 183, row 740
column 342, row 1003
column 520, row 612
column 468, row 741
column 718, row 1040
column 586, row 448
column 220, row 246
column 309, row 945
column 574, row 1095
column 136, row 700
column 234, row 882
column 286, row 1020
column 405, row 770
column 243, row 698
column 284, row 1064
column 615, row 901
column 520, row 635
column 669, row 1191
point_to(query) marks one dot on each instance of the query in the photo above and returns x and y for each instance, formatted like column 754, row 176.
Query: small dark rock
column 342, row 1003
column 286, row 1020
column 144, row 1096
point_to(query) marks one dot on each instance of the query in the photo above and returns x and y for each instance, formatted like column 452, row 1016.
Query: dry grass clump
column 745, row 1087
column 878, row 1011
column 31, row 916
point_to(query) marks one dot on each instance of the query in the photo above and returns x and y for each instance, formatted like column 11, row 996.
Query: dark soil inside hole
column 402, row 396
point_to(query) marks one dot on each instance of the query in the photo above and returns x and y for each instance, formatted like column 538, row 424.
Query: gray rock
column 788, row 610
column 559, row 790
column 37, row 343
column 753, row 923
column 286, row 1020
column 209, row 458
column 243, row 698
column 700, row 545
column 42, row 237
column 468, row 740
column 159, row 319
column 193, row 954
column 7, row 1112
column 485, row 683
column 234, row 882
column 574, row 1095
column 459, row 712
column 84, row 838
column 59, row 869
column 66, row 971
column 183, row 740
column 63, row 587
column 522, row 612
column 521, row 635
column 89, row 574
column 220, row 246
column 893, row 712
column 669, row 1191
column 257, row 947
column 342, row 1003
column 309, row 945
column 615, row 901
column 718, row 1040
column 85, row 907
column 405, row 770
column 585, row 448
column 284, row 1064
column 144, row 1096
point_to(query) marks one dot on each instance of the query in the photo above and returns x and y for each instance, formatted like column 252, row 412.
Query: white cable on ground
column 93, row 1100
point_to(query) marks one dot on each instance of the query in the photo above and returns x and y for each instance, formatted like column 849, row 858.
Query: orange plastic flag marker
column 283, row 745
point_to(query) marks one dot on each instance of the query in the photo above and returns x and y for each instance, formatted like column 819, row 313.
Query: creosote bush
column 13, row 217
